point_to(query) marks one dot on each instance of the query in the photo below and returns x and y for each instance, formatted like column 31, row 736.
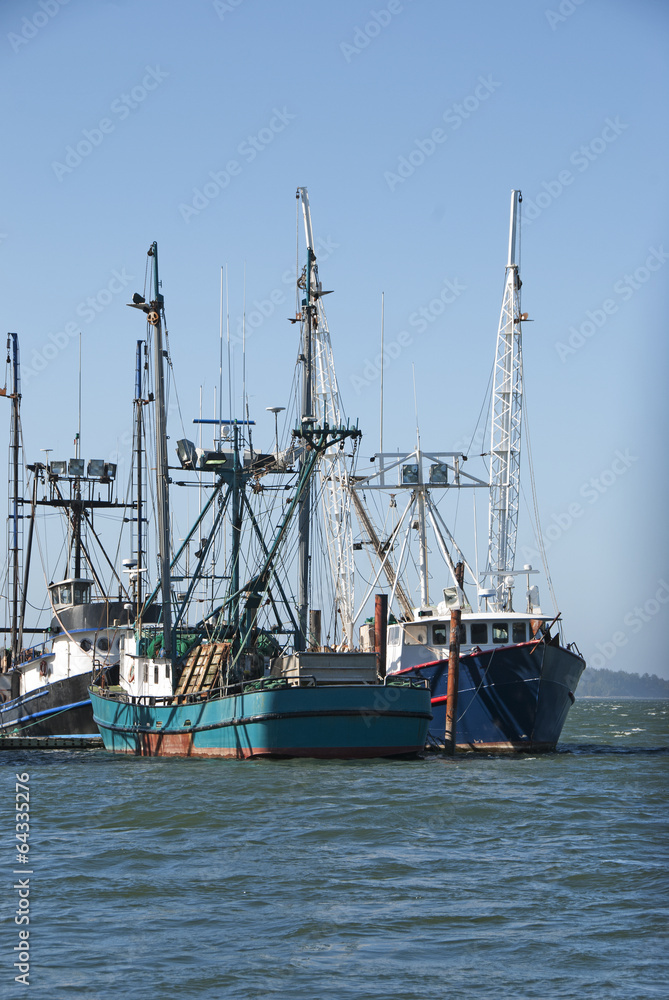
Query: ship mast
column 304, row 515
column 139, row 448
column 327, row 408
column 15, row 498
column 507, row 396
column 155, row 316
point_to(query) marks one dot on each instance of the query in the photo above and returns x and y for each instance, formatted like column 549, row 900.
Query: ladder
column 203, row 669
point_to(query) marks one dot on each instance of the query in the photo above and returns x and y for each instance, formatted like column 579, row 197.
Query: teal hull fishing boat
column 249, row 680
column 277, row 720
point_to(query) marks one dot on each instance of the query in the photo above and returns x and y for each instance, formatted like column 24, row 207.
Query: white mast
column 507, row 396
column 327, row 407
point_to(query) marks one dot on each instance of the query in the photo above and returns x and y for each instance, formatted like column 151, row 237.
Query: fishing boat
column 44, row 690
column 512, row 676
column 245, row 681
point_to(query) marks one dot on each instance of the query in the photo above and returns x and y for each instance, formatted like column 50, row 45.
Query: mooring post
column 314, row 630
column 453, row 679
column 380, row 632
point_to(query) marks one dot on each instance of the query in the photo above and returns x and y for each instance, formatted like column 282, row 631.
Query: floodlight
column 187, row 453
column 214, row 460
column 439, row 473
column 96, row 468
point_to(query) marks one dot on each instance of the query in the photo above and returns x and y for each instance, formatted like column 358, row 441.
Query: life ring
column 43, row 668
column 131, row 675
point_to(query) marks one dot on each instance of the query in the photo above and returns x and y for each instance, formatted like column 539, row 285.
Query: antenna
column 415, row 402
column 244, row 346
column 381, row 415
column 77, row 453
column 227, row 322
column 220, row 363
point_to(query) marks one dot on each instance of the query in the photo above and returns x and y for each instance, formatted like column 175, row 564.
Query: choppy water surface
column 475, row 877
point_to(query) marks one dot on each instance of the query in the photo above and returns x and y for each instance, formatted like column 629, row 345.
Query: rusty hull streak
column 181, row 745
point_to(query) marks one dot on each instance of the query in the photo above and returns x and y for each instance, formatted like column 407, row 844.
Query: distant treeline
column 619, row 684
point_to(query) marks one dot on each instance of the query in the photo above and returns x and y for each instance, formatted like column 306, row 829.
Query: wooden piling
column 314, row 630
column 380, row 632
column 453, row 680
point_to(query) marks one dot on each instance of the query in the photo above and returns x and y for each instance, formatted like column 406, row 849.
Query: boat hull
column 62, row 708
column 355, row 721
column 511, row 698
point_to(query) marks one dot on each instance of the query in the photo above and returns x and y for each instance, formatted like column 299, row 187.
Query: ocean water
column 470, row 877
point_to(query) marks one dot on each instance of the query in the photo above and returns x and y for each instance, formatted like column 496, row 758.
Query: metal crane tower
column 507, row 398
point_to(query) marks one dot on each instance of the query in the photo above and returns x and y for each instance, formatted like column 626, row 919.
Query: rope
column 538, row 535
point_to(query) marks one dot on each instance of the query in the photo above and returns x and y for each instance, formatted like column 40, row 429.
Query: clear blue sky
column 116, row 114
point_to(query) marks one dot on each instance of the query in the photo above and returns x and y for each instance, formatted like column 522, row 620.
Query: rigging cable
column 538, row 535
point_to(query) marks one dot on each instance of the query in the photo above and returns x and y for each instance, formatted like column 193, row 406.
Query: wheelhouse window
column 155, row 675
column 479, row 633
column 500, row 632
column 82, row 593
column 65, row 595
column 519, row 631
column 441, row 635
column 394, row 635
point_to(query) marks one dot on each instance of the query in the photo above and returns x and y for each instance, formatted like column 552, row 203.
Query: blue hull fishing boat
column 510, row 698
column 501, row 678
column 225, row 687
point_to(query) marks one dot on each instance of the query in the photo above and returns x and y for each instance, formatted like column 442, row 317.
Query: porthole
column 103, row 644
column 85, row 644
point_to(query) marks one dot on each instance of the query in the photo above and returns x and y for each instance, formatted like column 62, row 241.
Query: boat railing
column 246, row 687
column 33, row 653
